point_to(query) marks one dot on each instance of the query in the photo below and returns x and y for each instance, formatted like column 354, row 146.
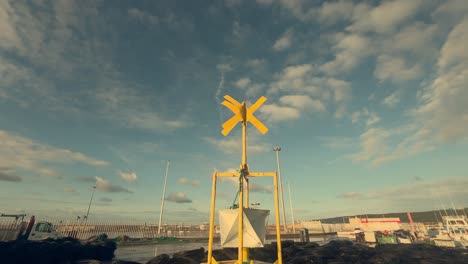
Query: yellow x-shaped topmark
column 242, row 114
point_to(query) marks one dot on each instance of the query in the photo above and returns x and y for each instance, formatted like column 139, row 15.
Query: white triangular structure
column 255, row 222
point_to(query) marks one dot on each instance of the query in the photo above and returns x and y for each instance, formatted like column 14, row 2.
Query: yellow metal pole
column 212, row 216
column 245, row 251
column 244, row 135
column 240, row 227
column 278, row 231
column 247, row 193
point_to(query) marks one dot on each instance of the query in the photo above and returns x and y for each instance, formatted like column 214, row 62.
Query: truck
column 13, row 227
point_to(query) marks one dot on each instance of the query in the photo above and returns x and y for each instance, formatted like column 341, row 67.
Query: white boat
column 453, row 233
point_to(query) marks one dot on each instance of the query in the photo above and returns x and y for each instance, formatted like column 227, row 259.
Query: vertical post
column 240, row 223
column 162, row 199
column 243, row 252
column 212, row 217
column 89, row 206
column 292, row 211
column 277, row 218
column 277, row 149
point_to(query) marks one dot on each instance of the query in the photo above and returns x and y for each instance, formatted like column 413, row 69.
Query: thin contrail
column 218, row 95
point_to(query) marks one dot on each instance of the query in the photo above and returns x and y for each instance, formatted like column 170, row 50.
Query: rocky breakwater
column 66, row 250
column 334, row 252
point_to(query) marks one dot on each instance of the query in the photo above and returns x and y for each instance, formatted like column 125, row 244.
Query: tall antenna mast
column 162, row 199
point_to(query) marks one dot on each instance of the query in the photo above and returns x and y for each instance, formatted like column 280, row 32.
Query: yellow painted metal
column 262, row 174
column 252, row 119
column 232, row 100
column 240, row 223
column 229, row 125
column 246, row 250
column 227, row 174
column 212, row 217
column 278, row 232
column 234, row 108
column 257, row 104
column 259, row 125
column 244, row 115
column 243, row 252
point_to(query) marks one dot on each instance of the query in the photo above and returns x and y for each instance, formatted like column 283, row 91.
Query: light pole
column 163, row 198
column 90, row 201
column 277, row 149
column 292, row 212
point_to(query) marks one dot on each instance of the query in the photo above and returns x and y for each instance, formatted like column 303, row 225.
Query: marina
column 233, row 132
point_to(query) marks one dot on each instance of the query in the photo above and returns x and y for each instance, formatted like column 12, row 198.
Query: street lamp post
column 277, row 149
column 90, row 201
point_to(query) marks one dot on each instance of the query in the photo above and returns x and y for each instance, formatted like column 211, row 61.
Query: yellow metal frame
column 242, row 257
column 243, row 114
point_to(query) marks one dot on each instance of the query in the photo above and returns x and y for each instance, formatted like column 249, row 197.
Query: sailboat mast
column 162, row 199
column 292, row 211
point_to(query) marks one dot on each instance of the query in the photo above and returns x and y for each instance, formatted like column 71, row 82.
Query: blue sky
column 368, row 101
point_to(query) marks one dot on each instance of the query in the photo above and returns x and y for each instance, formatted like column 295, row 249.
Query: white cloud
column 253, row 187
column 7, row 174
column 232, row 144
column 185, row 181
column 355, row 116
column 224, row 67
column 378, row 147
column 143, row 17
column 24, row 153
column 373, row 119
column 275, row 113
column 105, row 200
column 384, row 18
column 351, row 195
column 451, row 11
column 349, row 50
column 338, row 142
column 251, row 89
column 106, row 186
column 332, row 12
column 299, row 8
column 54, row 43
column 423, row 195
column 391, row 100
column 256, row 65
column 258, row 188
column 297, row 71
column 70, row 190
column 417, row 39
column 302, row 80
column 8, row 39
column 243, row 83
column 443, row 105
column 178, row 197
column 284, row 42
column 396, row 69
column 127, row 176
column 133, row 110
column 373, row 144
column 302, row 102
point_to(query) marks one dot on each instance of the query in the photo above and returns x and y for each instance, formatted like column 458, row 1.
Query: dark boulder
column 195, row 254
column 161, row 259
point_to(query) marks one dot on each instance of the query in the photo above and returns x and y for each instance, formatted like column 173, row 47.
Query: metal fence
column 9, row 227
column 83, row 229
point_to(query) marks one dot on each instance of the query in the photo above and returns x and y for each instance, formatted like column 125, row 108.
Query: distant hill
column 426, row 217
